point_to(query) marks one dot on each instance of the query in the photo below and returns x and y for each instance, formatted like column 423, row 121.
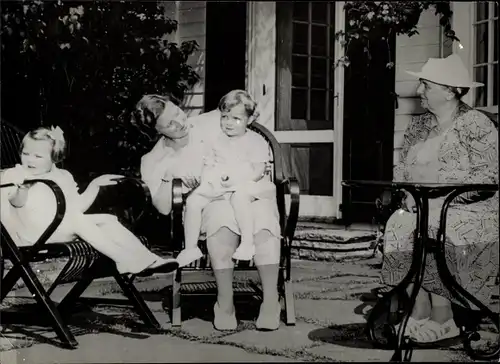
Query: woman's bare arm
column 162, row 199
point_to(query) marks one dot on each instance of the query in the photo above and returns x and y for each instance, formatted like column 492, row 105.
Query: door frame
column 310, row 205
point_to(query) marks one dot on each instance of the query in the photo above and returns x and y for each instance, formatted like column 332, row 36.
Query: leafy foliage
column 370, row 21
column 83, row 65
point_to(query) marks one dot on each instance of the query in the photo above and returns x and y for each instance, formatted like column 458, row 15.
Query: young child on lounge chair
column 27, row 209
column 235, row 169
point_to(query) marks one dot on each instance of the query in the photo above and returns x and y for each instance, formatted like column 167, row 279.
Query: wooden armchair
column 131, row 197
column 288, row 222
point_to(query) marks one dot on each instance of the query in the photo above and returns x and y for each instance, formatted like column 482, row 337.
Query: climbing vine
column 369, row 21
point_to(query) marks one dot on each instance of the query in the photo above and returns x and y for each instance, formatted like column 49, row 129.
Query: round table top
column 420, row 185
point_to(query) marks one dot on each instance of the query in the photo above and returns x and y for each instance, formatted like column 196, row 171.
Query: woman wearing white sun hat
column 451, row 142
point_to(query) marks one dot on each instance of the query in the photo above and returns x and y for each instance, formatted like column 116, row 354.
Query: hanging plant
column 369, row 21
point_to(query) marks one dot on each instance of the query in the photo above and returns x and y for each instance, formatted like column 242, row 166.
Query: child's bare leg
column 241, row 202
column 192, row 226
column 116, row 242
column 123, row 237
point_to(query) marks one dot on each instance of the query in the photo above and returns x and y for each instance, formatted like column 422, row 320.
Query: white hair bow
column 56, row 134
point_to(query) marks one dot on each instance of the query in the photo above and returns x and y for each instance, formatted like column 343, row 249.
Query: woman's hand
column 106, row 180
column 191, row 181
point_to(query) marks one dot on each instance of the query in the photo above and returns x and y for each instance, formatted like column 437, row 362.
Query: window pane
column 299, row 104
column 319, row 12
column 332, row 12
column 481, row 10
column 318, row 105
column 301, row 10
column 301, row 161
column 495, row 84
column 318, row 40
column 482, row 43
column 332, row 41
column 480, row 75
column 495, row 6
column 318, row 70
column 300, row 38
column 299, row 71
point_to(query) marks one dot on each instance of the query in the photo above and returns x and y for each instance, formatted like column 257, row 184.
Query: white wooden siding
column 192, row 26
column 411, row 54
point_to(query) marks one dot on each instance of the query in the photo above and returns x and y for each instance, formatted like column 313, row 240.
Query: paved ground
column 332, row 300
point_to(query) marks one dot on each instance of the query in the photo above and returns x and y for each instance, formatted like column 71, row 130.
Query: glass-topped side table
column 389, row 307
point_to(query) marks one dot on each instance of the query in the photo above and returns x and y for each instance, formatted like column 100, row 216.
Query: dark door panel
column 225, row 50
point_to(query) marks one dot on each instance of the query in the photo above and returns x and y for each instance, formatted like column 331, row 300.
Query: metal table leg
column 391, row 301
column 459, row 292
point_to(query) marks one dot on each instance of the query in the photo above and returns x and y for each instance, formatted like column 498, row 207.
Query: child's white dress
column 27, row 223
column 228, row 156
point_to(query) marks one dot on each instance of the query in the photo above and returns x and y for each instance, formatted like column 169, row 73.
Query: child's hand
column 190, row 181
column 106, row 180
column 18, row 175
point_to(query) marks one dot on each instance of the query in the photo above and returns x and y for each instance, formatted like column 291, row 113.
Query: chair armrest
column 59, row 215
column 291, row 186
column 177, row 196
column 288, row 221
column 176, row 215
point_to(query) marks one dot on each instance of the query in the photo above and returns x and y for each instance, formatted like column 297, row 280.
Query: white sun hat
column 449, row 71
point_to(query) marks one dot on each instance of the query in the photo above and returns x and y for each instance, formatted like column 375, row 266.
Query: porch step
column 330, row 242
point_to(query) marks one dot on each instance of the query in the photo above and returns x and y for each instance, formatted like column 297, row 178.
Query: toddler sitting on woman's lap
column 235, row 168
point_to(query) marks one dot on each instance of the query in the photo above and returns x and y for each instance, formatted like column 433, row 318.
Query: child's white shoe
column 187, row 256
column 244, row 252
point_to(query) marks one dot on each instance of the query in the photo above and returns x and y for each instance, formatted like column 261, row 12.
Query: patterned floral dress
column 467, row 152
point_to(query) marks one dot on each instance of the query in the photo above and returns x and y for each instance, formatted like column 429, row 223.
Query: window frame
column 285, row 82
column 464, row 20
column 311, row 205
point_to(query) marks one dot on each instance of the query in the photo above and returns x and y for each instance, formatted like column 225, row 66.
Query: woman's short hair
column 148, row 110
column 57, row 142
column 459, row 92
column 239, row 97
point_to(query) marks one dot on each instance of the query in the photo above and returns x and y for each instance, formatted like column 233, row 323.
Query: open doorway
column 368, row 127
column 225, row 50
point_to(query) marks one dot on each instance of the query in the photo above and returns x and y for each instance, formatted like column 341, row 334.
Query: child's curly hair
column 239, row 97
column 53, row 135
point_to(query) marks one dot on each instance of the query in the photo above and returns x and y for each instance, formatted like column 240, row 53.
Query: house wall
column 191, row 16
column 411, row 54
column 261, row 58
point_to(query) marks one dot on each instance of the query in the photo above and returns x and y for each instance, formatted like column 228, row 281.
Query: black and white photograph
column 249, row 181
